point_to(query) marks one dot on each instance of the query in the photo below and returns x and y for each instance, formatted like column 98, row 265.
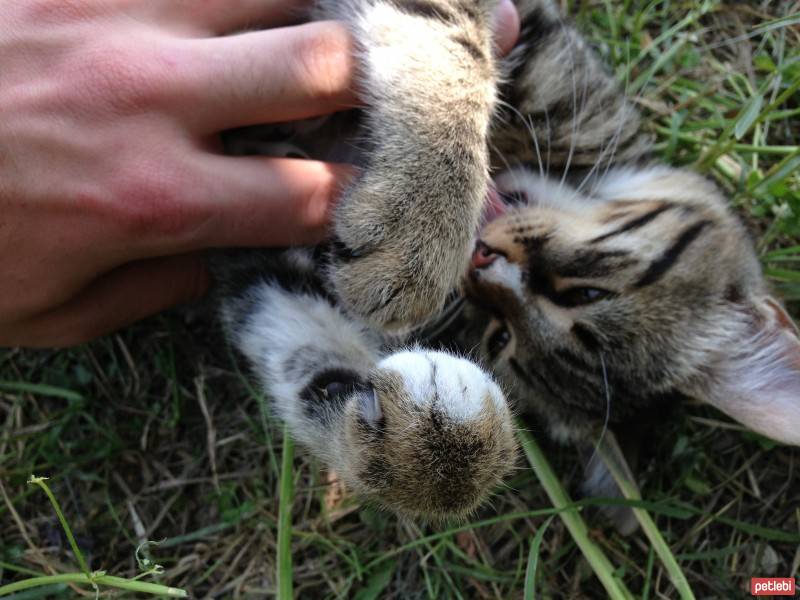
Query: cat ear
column 757, row 381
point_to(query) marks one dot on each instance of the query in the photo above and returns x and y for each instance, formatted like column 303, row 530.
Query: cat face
column 645, row 287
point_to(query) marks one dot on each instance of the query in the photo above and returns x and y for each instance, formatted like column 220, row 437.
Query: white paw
column 453, row 385
column 438, row 440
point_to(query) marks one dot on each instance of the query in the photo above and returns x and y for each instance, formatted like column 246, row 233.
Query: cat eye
column 580, row 296
column 498, row 341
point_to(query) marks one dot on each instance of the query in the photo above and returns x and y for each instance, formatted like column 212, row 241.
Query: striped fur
column 599, row 287
column 426, row 434
column 428, row 76
column 562, row 111
column 628, row 296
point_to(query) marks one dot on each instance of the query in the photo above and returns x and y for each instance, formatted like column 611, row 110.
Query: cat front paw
column 395, row 257
column 429, row 437
column 394, row 286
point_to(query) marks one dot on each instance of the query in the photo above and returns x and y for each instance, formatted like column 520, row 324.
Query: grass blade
column 786, row 21
column 48, row 591
column 285, row 519
column 378, row 582
column 648, row 579
column 748, row 116
column 40, row 481
column 779, row 172
column 600, row 564
column 40, row 389
column 529, row 592
column 94, row 580
column 629, row 490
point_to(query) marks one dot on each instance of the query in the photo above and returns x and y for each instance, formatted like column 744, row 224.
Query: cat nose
column 500, row 239
column 483, row 255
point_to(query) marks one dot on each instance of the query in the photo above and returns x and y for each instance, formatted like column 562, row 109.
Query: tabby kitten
column 599, row 286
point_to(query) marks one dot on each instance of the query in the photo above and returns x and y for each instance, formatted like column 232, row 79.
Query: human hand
column 111, row 182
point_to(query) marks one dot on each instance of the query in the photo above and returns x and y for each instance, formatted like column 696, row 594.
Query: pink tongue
column 494, row 205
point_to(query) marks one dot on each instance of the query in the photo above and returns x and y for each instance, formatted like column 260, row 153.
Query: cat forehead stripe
column 636, row 223
column 666, row 261
column 445, row 12
column 471, row 47
column 425, row 8
column 595, row 263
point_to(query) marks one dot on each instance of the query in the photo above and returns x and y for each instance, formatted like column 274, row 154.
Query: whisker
column 608, row 408
column 510, row 169
column 532, row 132
column 549, row 130
column 610, row 148
column 574, row 104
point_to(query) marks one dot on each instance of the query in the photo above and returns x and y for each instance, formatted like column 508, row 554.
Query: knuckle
column 150, row 199
column 121, row 81
column 58, row 11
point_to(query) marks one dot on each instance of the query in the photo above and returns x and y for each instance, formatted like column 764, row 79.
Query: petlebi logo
column 772, row 586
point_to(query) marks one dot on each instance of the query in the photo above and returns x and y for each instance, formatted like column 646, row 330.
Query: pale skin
column 111, row 180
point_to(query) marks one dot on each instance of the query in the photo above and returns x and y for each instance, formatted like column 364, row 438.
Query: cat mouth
column 495, row 205
column 499, row 201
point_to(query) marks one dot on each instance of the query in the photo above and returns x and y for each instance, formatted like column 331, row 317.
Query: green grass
column 285, row 583
column 96, row 580
column 128, row 428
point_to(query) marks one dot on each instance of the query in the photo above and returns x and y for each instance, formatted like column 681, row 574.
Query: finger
column 268, row 76
column 119, row 298
column 258, row 201
column 506, row 26
column 248, row 201
column 225, row 16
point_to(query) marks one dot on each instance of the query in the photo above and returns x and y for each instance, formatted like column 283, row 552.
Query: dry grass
column 155, row 434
